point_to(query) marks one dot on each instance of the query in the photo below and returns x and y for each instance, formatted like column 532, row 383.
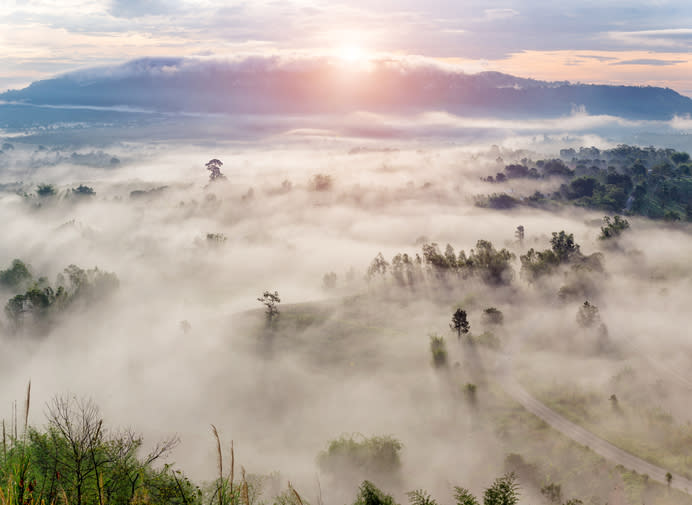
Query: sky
column 645, row 42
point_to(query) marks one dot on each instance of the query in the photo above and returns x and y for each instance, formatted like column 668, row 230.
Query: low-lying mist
column 181, row 342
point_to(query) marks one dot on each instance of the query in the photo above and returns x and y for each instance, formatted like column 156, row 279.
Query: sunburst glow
column 351, row 53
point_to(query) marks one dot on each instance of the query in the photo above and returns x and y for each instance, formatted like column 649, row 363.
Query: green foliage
column 557, row 168
column 487, row 339
column 83, row 190
column 680, row 158
column 552, row 492
column 420, row 497
column 671, row 216
column 627, row 184
column 535, row 264
column 470, row 390
column 498, row 201
column 613, row 228
column 271, row 304
column 460, row 322
column 378, row 267
column 378, row 455
column 17, row 277
column 78, row 461
column 463, row 496
column 492, row 315
column 369, row 494
column 582, row 187
column 563, row 246
column 519, row 233
column 588, row 316
column 214, row 167
column 503, row 491
column 45, row 190
column 492, row 266
column 438, row 349
column 216, row 239
column 75, row 286
column 321, row 182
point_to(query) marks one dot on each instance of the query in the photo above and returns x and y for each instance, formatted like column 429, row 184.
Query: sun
column 351, row 53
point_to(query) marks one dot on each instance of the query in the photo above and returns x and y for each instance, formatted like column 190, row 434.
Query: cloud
column 649, row 61
column 140, row 8
column 674, row 39
column 595, row 57
column 682, row 123
column 495, row 14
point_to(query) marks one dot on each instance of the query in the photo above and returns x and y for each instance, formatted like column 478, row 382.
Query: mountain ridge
column 273, row 86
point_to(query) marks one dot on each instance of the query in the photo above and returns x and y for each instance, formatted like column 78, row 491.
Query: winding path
column 586, row 438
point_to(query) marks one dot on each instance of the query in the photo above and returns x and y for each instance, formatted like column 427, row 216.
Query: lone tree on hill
column 214, row 167
column 460, row 322
column 271, row 302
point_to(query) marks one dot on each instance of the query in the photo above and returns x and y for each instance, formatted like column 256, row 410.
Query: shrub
column 374, row 456
column 491, row 315
column 438, row 349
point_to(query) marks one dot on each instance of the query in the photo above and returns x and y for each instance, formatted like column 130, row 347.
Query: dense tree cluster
column 644, row 181
column 36, row 303
column 564, row 251
column 486, row 263
column 613, row 228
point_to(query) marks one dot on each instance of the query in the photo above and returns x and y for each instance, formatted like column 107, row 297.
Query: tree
column 378, row 267
column 563, row 246
column 587, row 315
column 77, row 425
column 374, row 457
column 45, row 190
column 438, row 349
column 369, row 494
column 613, row 228
column 582, row 187
column 552, row 492
column 491, row 315
column 321, row 182
column 680, row 157
column 519, row 234
column 271, row 302
column 460, row 323
column 420, row 497
column 503, row 491
column 214, row 167
column 463, row 496
column 83, row 190
column 18, row 276
column 329, row 281
column 76, row 460
column 492, row 266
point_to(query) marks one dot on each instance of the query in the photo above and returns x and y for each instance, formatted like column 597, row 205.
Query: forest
column 381, row 337
column 651, row 182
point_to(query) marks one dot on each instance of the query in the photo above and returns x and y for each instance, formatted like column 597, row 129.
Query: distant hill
column 273, row 86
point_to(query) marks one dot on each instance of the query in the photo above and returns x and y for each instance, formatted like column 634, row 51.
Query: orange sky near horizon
column 636, row 44
column 592, row 67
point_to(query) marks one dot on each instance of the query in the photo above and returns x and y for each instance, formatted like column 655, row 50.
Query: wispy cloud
column 495, row 14
column 649, row 62
column 668, row 38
